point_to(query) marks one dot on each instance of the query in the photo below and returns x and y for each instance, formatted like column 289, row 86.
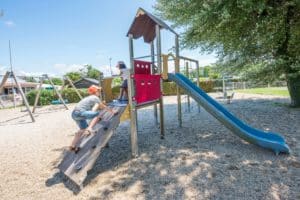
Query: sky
column 59, row 36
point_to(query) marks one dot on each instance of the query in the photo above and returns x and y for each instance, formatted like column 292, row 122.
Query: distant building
column 10, row 85
column 85, row 83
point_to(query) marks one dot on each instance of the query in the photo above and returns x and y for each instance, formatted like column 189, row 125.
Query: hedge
column 47, row 96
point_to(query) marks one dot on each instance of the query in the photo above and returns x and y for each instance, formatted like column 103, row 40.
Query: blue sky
column 57, row 36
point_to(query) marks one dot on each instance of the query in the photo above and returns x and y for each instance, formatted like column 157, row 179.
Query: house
column 10, row 84
column 85, row 83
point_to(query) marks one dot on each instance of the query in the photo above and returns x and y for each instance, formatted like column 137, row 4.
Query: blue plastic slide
column 267, row 140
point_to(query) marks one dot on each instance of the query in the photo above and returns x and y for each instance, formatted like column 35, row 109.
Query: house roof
column 144, row 25
column 93, row 81
column 10, row 82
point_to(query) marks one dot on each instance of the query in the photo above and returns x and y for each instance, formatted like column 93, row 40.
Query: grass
column 278, row 91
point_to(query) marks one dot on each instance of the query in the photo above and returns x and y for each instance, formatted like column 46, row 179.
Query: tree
column 261, row 38
column 57, row 81
column 87, row 71
column 74, row 76
column 92, row 72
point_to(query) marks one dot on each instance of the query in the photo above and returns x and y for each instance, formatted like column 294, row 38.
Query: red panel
column 142, row 67
column 147, row 87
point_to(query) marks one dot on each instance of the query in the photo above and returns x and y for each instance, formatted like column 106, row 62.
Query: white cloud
column 9, row 23
column 108, row 71
column 3, row 69
column 65, row 68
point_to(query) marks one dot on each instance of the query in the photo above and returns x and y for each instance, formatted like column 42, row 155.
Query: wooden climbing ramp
column 76, row 165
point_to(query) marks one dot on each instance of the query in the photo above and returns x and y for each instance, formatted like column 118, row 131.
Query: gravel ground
column 201, row 160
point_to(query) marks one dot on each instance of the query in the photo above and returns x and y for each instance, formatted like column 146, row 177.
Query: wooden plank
column 76, row 166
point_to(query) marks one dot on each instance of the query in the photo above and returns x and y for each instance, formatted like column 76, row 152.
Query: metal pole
column 132, row 104
column 224, row 88
column 58, row 94
column 37, row 96
column 153, row 72
column 23, row 97
column 177, row 88
column 159, row 71
column 111, row 73
column 102, row 95
column 198, row 82
column 13, row 88
column 188, row 76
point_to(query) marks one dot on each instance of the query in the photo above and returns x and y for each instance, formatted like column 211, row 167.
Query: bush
column 207, row 85
column 47, row 96
column 116, row 91
column 71, row 95
column 169, row 88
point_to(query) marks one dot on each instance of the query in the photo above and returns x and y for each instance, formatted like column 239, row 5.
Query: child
column 87, row 108
column 124, row 76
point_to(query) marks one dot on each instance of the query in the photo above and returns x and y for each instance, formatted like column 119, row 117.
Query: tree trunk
column 293, row 84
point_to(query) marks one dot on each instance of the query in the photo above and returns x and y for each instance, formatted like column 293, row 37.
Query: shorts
column 124, row 84
column 80, row 117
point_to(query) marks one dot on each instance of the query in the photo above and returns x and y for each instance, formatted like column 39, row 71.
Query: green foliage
column 57, row 81
column 47, row 96
column 87, row 71
column 260, row 38
column 71, row 95
column 116, row 81
column 207, row 85
column 169, row 88
column 278, row 91
column 116, row 91
column 74, row 76
column 92, row 72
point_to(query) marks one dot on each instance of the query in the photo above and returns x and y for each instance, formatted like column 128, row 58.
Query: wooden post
column 73, row 86
column 37, row 95
column 132, row 104
column 23, row 97
column 58, row 94
column 159, row 71
column 177, row 70
column 4, row 80
column 188, row 76
column 198, row 82
column 153, row 72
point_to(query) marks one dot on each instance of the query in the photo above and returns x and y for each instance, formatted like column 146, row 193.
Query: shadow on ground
column 201, row 159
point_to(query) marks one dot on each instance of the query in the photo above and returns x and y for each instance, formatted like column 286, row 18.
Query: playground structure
column 145, row 89
column 10, row 74
column 46, row 77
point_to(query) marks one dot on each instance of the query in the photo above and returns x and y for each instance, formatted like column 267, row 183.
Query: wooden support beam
column 37, row 95
column 73, row 86
column 56, row 91
column 23, row 96
column 5, row 77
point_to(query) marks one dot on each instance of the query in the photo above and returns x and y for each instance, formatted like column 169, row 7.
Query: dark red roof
column 144, row 25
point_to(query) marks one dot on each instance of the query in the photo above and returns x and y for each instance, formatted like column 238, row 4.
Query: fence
column 239, row 85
